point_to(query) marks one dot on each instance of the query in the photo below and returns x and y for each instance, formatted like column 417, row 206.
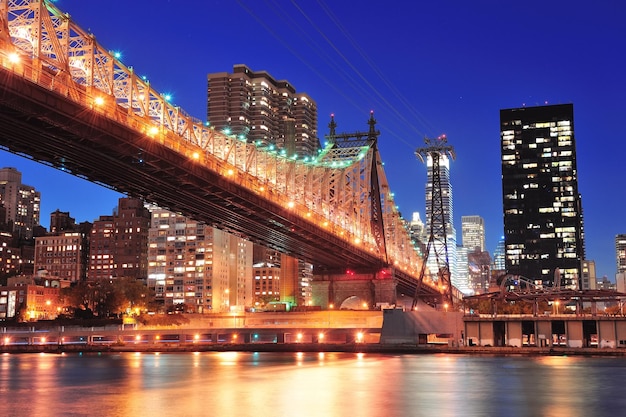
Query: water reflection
column 308, row 384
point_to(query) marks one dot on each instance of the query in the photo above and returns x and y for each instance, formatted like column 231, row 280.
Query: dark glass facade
column 543, row 227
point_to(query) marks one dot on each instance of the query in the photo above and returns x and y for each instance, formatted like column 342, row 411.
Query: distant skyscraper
column 543, row 225
column 418, row 233
column 620, row 252
column 22, row 203
column 462, row 271
column 446, row 194
column 263, row 110
column 588, row 279
column 473, row 233
column 499, row 262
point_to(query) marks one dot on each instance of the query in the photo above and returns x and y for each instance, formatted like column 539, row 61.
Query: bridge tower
column 437, row 244
column 372, row 286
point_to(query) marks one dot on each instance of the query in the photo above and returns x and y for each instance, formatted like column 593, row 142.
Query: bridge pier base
column 353, row 291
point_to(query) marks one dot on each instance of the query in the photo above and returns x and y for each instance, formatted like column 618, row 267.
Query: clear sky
column 424, row 67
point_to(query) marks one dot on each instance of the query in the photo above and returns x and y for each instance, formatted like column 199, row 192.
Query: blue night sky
column 425, row 68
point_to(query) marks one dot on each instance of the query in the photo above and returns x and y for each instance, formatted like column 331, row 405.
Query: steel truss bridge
column 67, row 102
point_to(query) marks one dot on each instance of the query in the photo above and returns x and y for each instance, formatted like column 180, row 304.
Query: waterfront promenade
column 318, row 331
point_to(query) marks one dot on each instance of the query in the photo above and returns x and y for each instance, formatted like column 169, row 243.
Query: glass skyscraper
column 543, row 226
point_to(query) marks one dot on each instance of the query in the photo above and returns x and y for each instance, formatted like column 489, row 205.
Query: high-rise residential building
column 543, row 225
column 294, row 287
column 255, row 106
column 620, row 253
column 448, row 215
column 197, row 266
column 22, row 203
column 102, row 249
column 119, row 242
column 61, row 255
column 131, row 222
column 473, row 233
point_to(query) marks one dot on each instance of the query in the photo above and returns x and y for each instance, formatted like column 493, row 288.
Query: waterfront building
column 31, row 298
column 62, row 255
column 198, row 267
column 10, row 256
column 620, row 253
column 21, row 202
column 101, row 249
column 255, row 106
column 266, row 284
column 543, row 225
column 131, row 222
column 119, row 242
column 296, row 276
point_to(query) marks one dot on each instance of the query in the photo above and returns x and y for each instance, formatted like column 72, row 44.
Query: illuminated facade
column 22, row 203
column 588, row 278
column 198, row 266
column 448, row 215
column 61, row 255
column 620, row 252
column 255, row 106
column 543, row 226
column 118, row 244
column 473, row 233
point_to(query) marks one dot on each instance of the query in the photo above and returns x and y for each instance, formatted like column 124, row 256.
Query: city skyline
column 424, row 69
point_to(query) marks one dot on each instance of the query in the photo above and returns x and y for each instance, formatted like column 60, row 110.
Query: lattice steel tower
column 437, row 240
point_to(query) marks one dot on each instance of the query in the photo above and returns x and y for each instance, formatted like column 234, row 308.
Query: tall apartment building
column 620, row 253
column 448, row 215
column 131, row 223
column 291, row 277
column 198, row 266
column 473, row 233
column 102, row 249
column 21, row 202
column 543, row 225
column 255, row 106
column 119, row 242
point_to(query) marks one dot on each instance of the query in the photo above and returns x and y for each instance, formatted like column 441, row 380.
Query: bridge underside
column 42, row 125
column 48, row 128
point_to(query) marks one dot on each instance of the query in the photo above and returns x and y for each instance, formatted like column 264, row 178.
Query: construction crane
column 437, row 244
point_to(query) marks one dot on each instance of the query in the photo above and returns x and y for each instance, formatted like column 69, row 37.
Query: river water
column 241, row 384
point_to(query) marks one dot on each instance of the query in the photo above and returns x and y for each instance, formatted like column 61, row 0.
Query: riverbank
column 400, row 349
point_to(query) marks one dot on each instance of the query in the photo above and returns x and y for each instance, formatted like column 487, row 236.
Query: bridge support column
column 357, row 291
